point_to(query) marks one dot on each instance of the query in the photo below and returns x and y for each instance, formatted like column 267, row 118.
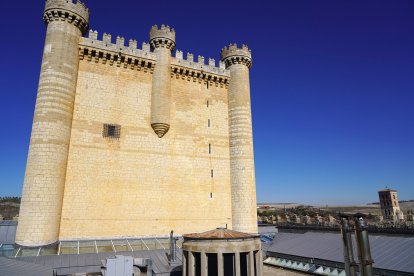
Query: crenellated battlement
column 75, row 13
column 162, row 37
column 105, row 51
column 235, row 55
column 119, row 46
column 200, row 64
column 199, row 71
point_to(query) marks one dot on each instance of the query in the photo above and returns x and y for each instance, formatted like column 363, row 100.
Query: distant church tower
column 132, row 141
column 390, row 207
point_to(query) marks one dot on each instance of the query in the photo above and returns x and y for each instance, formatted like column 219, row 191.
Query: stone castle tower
column 133, row 142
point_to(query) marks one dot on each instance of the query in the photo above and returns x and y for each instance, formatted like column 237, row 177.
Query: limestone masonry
column 130, row 141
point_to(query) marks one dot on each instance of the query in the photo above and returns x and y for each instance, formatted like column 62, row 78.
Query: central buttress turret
column 162, row 43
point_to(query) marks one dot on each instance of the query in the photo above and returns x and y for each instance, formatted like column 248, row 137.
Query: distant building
column 390, row 208
column 410, row 216
column 306, row 219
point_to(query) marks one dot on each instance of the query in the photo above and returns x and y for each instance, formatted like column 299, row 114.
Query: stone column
column 41, row 206
column 220, row 264
column 191, row 264
column 204, row 263
column 258, row 263
column 251, row 264
column 184, row 263
column 261, row 261
column 162, row 43
column 237, row 263
column 243, row 185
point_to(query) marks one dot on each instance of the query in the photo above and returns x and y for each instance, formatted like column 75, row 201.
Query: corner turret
column 44, row 181
column 162, row 37
column 233, row 55
column 242, row 177
column 75, row 13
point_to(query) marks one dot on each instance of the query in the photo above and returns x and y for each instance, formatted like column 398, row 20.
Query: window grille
column 111, row 131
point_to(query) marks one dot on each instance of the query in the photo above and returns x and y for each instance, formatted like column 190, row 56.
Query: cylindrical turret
column 243, row 186
column 162, row 42
column 41, row 205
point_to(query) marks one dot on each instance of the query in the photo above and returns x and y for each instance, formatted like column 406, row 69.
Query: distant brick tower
column 390, row 207
column 242, row 176
column 41, row 205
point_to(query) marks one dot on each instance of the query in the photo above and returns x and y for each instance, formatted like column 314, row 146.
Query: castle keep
column 130, row 141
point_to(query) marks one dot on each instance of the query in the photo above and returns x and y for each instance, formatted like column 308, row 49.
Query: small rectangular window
column 207, row 85
column 209, row 148
column 208, row 122
column 212, row 173
column 211, row 195
column 111, row 131
column 207, row 103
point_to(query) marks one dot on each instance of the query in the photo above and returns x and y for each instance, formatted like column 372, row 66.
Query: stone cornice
column 238, row 60
column 162, row 43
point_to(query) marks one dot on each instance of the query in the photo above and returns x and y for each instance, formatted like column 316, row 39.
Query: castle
column 130, row 142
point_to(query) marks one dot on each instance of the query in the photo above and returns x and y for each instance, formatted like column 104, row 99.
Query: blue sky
column 332, row 87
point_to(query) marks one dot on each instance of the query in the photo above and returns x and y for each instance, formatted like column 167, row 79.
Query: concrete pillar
column 49, row 142
column 184, row 264
column 220, row 264
column 261, row 262
column 243, row 184
column 204, row 263
column 258, row 263
column 191, row 264
column 237, row 263
column 162, row 42
column 250, row 263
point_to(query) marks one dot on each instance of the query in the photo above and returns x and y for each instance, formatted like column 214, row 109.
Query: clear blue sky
column 332, row 86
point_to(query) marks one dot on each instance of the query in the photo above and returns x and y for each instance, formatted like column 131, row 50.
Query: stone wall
column 140, row 184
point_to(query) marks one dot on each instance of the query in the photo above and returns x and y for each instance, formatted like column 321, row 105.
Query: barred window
column 111, row 131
